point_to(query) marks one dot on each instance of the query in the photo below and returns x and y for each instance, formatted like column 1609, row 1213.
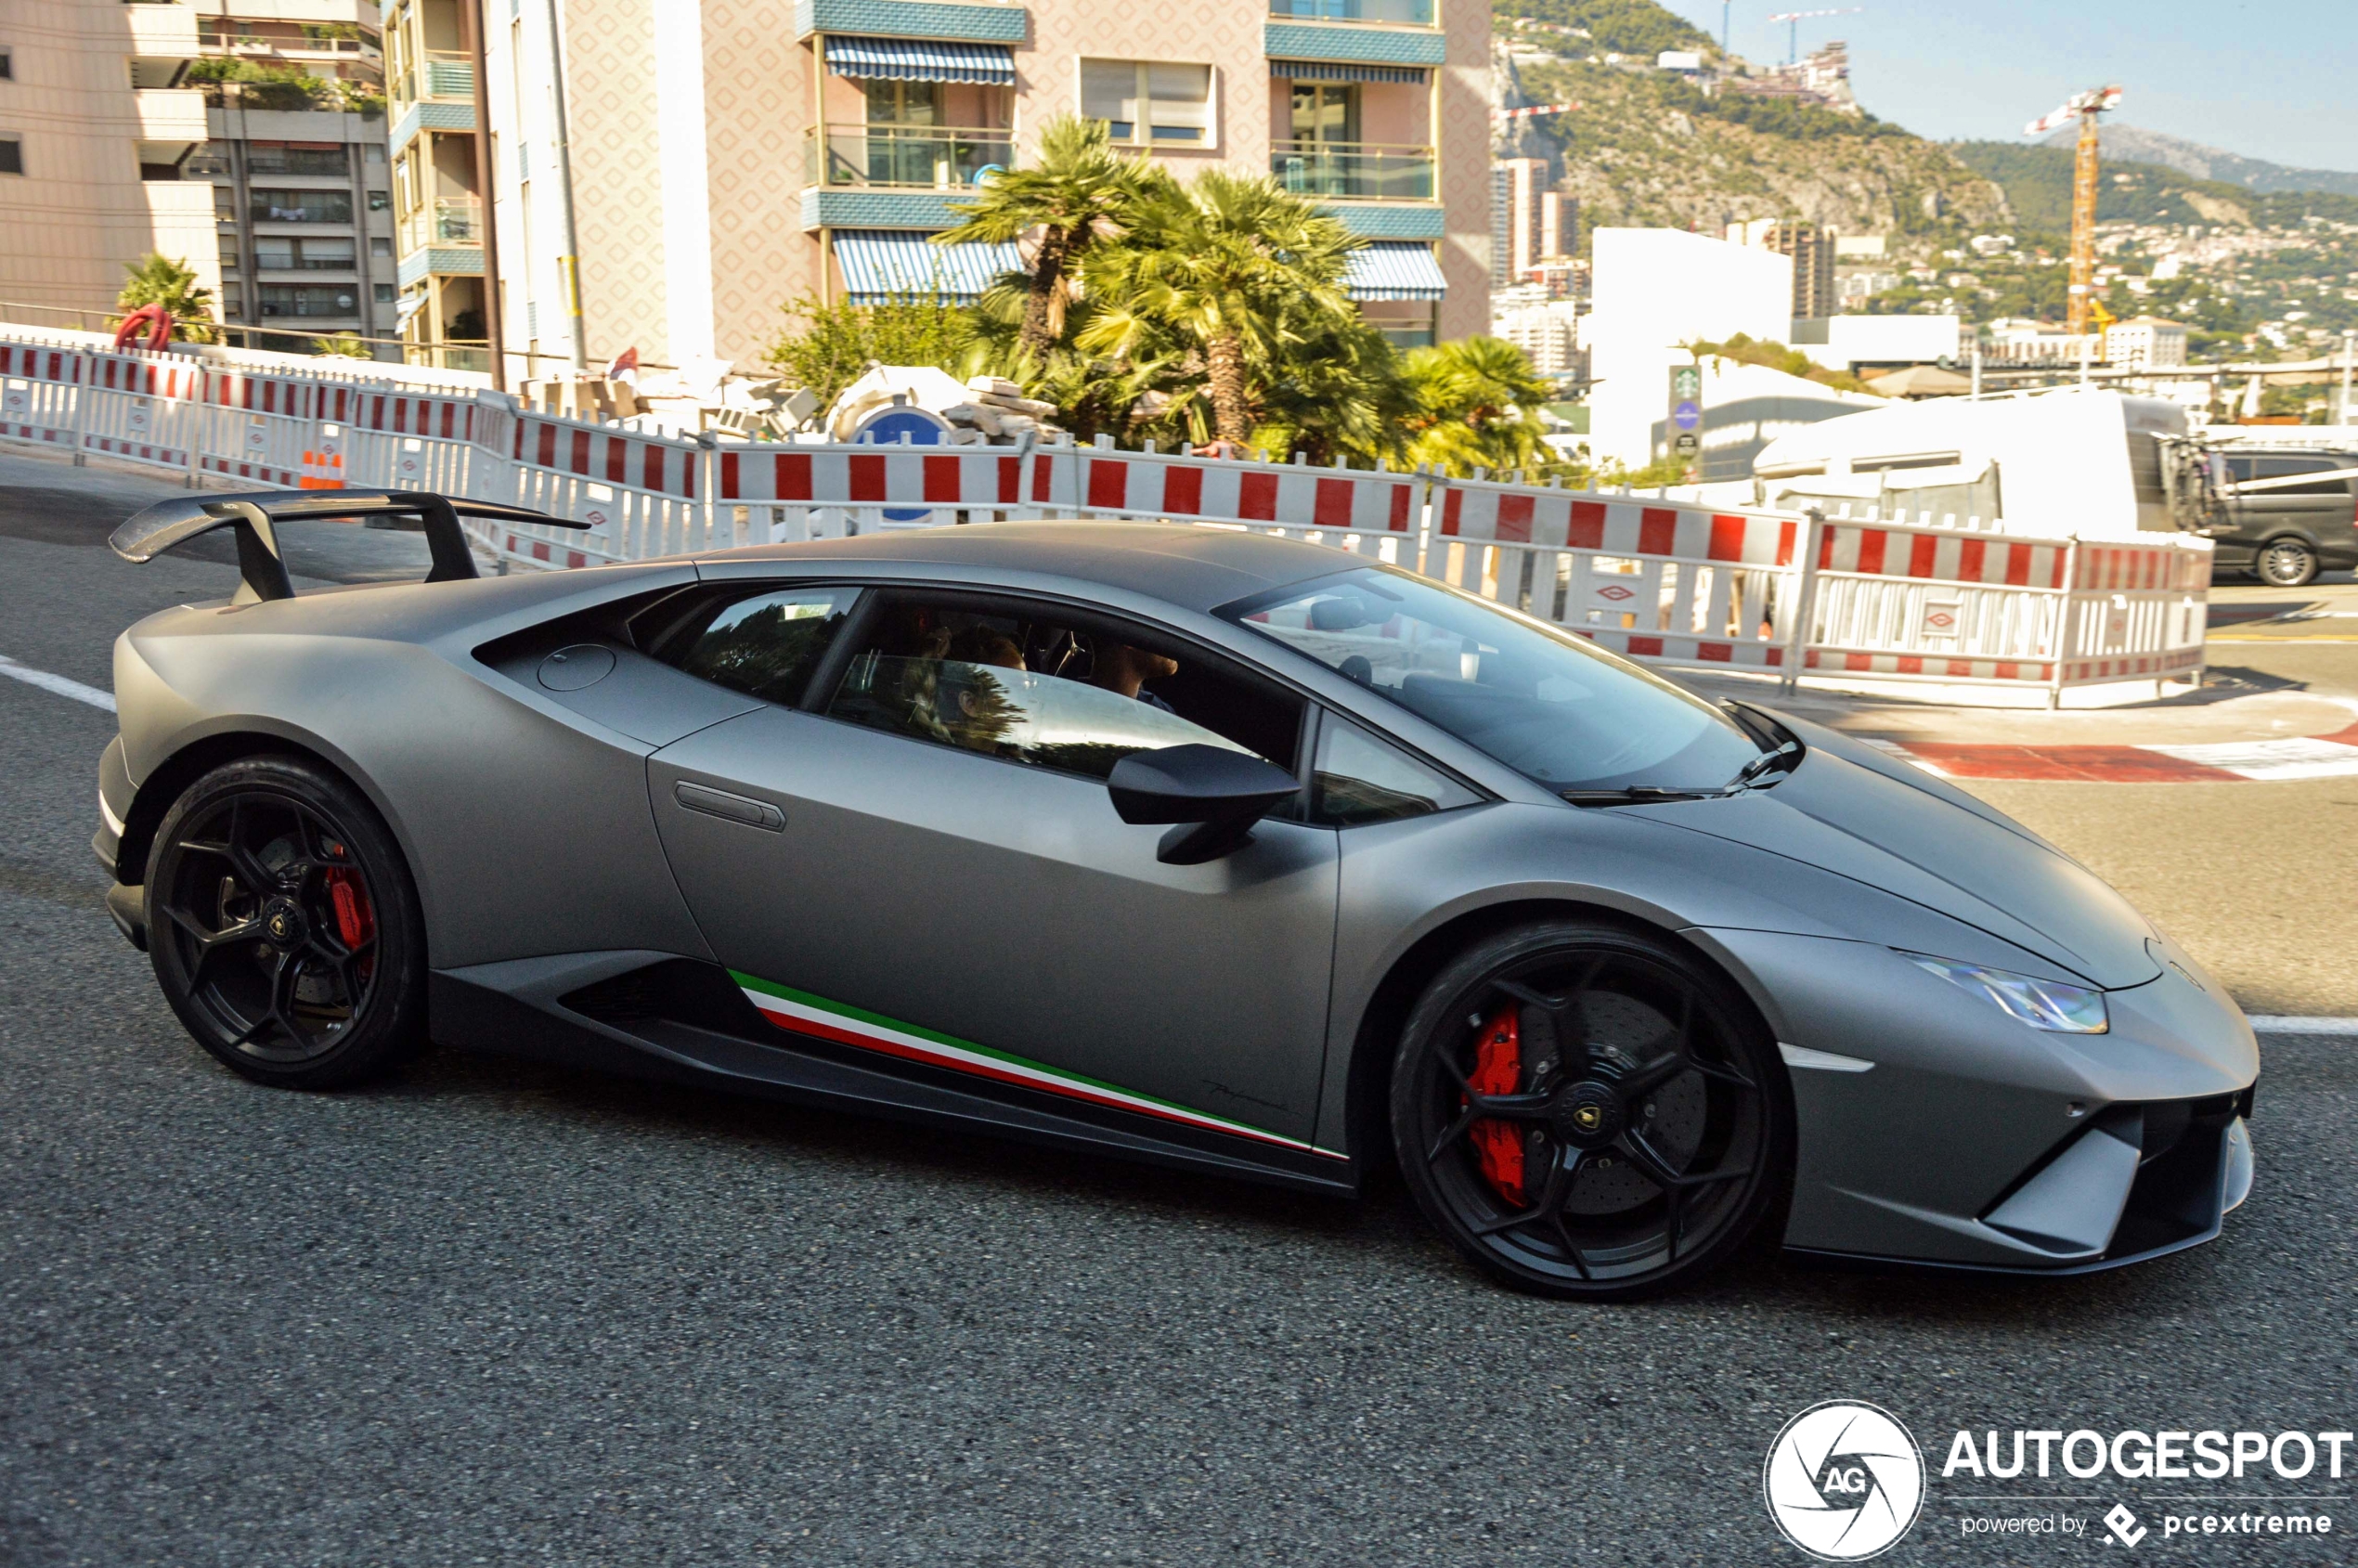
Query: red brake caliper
column 1498, row 1070
column 356, row 922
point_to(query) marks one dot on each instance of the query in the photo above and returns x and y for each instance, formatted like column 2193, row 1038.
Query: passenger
column 1122, row 668
column 970, row 704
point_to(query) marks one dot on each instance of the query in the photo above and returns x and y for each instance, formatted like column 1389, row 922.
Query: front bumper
column 1958, row 1138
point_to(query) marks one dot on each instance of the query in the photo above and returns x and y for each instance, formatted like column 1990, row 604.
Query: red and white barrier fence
column 1663, row 581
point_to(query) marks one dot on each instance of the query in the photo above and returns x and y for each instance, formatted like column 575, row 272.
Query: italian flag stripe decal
column 798, row 1012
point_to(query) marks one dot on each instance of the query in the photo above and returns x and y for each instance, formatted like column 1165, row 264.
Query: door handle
column 730, row 807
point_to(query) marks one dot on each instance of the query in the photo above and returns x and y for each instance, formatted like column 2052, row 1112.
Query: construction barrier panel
column 1669, row 582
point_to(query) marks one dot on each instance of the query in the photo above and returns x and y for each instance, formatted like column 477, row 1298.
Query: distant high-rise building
column 1540, row 222
column 1811, row 247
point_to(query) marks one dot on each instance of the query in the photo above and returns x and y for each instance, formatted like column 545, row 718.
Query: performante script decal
column 798, row 1012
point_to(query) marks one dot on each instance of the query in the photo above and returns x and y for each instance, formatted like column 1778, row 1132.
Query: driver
column 1120, row 669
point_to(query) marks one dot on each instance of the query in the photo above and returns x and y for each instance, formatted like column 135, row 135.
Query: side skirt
column 654, row 1016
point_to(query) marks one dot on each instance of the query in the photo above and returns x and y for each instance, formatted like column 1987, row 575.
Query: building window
column 296, row 158
column 1149, row 103
column 8, row 65
column 302, row 206
column 376, row 153
column 11, row 153
column 276, row 252
column 904, row 103
column 379, row 201
column 306, row 299
column 233, row 302
column 379, row 245
column 384, row 294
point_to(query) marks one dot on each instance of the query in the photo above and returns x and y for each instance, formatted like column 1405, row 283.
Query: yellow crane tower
column 2084, row 107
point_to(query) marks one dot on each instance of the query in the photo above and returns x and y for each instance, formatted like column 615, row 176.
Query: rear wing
column 150, row 533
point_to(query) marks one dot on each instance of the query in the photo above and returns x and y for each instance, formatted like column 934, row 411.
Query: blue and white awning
column 921, row 60
column 1344, row 70
column 884, row 265
column 1394, row 269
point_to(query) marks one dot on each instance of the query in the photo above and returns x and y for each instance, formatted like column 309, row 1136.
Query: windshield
column 1547, row 703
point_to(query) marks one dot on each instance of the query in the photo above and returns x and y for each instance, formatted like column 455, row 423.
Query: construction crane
column 1794, row 19
column 2084, row 107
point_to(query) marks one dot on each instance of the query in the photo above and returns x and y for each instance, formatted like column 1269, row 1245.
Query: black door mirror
column 1214, row 793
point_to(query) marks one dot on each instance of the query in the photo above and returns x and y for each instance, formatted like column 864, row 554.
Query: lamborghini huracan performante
column 1215, row 849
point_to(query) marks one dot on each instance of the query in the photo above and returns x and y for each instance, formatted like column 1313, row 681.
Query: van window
column 2284, row 468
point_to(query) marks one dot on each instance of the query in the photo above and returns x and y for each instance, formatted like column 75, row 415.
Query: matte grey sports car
column 1234, row 853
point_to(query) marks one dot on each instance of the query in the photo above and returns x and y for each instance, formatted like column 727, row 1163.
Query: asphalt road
column 497, row 1312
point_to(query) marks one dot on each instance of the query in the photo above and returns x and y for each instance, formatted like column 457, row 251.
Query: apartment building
column 726, row 157
column 301, row 188
column 1541, row 223
column 2147, row 343
column 1816, row 290
column 96, row 122
column 440, row 161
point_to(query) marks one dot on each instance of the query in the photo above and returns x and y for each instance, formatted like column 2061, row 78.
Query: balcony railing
column 909, row 157
column 447, row 220
column 436, row 75
column 1353, row 171
column 1397, row 13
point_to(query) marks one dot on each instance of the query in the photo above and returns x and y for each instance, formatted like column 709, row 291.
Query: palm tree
column 1475, row 402
column 158, row 279
column 1079, row 191
column 1233, row 268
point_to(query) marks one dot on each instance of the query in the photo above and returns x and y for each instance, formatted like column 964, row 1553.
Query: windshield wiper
column 1749, row 775
column 1636, row 795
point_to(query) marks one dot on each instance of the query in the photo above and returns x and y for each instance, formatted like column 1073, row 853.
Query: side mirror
column 1214, row 793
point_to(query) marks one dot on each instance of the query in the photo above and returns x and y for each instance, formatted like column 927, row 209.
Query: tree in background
column 1746, row 349
column 1477, row 406
column 836, row 343
column 345, row 344
column 1076, row 193
column 1230, row 267
column 158, row 279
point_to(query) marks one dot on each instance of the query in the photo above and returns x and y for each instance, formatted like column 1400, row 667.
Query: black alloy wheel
column 2286, row 562
column 283, row 926
column 1590, row 1111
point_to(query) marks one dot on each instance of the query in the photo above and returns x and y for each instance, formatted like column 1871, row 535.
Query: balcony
column 1355, row 171
column 981, row 23
column 902, row 157
column 1394, row 13
column 436, row 76
column 448, row 220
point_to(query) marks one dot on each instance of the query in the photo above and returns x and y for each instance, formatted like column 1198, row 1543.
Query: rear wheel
column 2285, row 563
column 1589, row 1112
column 283, row 926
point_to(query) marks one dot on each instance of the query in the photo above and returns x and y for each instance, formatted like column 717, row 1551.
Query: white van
column 2069, row 460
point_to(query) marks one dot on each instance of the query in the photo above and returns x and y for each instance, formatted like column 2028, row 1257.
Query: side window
column 1051, row 693
column 764, row 643
column 2286, row 467
column 1360, row 779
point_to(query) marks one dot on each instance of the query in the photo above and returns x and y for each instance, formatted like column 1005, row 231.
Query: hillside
column 2036, row 180
column 1648, row 149
column 2131, row 143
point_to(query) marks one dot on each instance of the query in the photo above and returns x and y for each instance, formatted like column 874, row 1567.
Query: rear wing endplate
column 150, row 533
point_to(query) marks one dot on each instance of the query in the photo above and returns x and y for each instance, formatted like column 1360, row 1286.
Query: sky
column 2274, row 81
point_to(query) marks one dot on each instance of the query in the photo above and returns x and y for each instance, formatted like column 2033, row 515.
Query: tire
column 2286, row 563
column 284, row 927
column 1637, row 1170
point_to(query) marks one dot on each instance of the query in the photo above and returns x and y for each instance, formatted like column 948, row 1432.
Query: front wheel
column 1590, row 1112
column 284, row 928
column 2285, row 563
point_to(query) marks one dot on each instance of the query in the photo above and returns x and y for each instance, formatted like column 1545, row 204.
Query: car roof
column 1195, row 568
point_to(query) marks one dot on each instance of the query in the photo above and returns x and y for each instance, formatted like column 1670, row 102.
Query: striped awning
column 884, row 265
column 1342, row 70
column 1394, row 269
column 921, row 60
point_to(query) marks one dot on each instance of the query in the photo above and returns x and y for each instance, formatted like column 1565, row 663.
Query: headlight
column 2048, row 1004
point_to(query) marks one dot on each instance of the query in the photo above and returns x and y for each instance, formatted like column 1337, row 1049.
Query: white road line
column 2264, row 1024
column 2303, row 757
column 57, row 683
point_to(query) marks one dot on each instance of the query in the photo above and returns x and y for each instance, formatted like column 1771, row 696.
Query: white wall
column 1655, row 288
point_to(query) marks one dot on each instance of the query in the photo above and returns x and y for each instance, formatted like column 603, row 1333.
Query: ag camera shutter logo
column 1843, row 1481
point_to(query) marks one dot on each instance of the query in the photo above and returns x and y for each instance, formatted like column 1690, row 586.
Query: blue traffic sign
column 1687, row 416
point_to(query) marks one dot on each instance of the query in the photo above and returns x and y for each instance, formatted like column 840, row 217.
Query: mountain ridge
column 2216, row 165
